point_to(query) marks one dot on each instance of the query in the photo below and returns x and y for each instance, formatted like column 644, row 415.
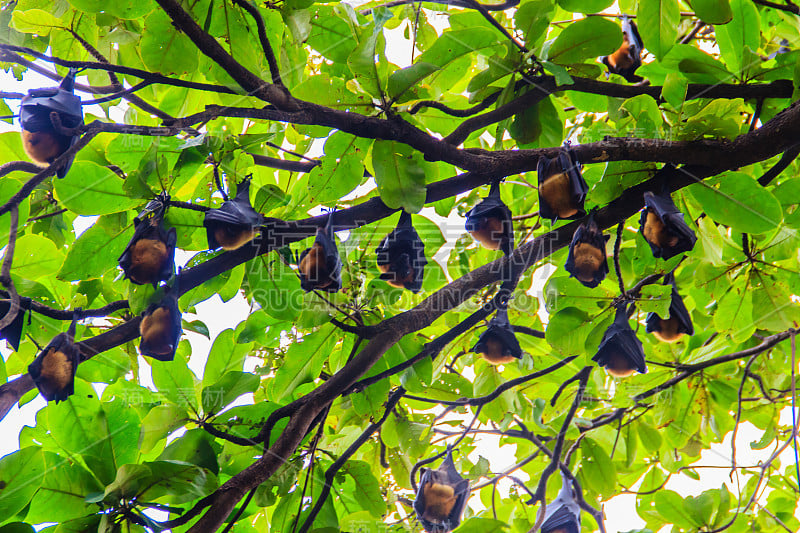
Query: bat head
column 586, row 260
column 663, row 227
column 498, row 344
column 679, row 321
column 562, row 189
column 620, row 352
column 401, row 255
column 234, row 217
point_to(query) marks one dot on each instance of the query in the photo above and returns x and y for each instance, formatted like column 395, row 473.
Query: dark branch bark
column 262, row 37
column 255, row 86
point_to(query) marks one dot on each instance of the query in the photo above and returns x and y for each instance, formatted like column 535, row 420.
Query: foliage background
column 264, row 85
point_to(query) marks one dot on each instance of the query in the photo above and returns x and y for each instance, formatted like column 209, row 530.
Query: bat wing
column 634, row 39
column 235, row 212
column 61, row 172
column 578, row 186
column 333, row 262
column 170, row 238
column 620, row 339
column 678, row 310
column 140, row 230
column 542, row 167
column 562, row 520
column 66, row 104
column 13, row 332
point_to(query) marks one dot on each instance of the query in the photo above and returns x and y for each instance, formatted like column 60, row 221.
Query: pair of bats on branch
column 442, row 496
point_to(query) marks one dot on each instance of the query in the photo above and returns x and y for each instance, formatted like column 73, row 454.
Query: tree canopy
column 351, row 113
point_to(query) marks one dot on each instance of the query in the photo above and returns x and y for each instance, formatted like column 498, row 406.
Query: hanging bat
column 663, row 227
column 150, row 254
column 562, row 189
column 320, row 266
column 586, row 260
column 498, row 345
column 235, row 223
column 441, row 497
column 160, row 327
column 41, row 141
column 564, row 513
column 54, row 368
column 490, row 222
column 13, row 332
column 620, row 351
column 679, row 322
column 401, row 256
column 628, row 57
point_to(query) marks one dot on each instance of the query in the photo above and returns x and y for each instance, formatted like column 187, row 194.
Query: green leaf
column 737, row 200
column 97, row 250
column 164, row 49
column 36, row 257
column 89, row 189
column 743, row 31
column 225, row 356
column 674, row 89
column 670, row 505
column 482, row 525
column 160, row 422
column 302, row 363
column 712, row 11
column 175, row 381
column 34, row 21
column 734, row 313
column 584, row 39
column 585, row 6
column 402, row 80
column 193, row 447
column 598, row 470
column 399, row 174
column 655, row 299
column 367, row 487
column 229, row 387
column 341, row 170
column 275, row 287
column 567, row 330
column 21, row 475
column 61, row 496
column 657, row 21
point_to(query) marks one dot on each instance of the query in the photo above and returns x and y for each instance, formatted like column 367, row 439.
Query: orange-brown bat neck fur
column 56, row 372
column 619, row 366
column 669, row 330
column 439, row 501
column 556, row 191
column 156, row 330
column 588, row 259
column 656, row 233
